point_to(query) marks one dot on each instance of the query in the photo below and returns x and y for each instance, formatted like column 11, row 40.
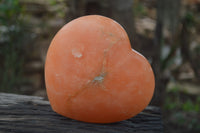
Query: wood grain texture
column 31, row 114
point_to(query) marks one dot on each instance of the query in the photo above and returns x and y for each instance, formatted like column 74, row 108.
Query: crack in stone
column 97, row 79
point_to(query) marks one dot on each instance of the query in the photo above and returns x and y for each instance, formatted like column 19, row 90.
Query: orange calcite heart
column 93, row 75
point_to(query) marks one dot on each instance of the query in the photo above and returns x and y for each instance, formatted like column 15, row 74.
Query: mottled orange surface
column 93, row 75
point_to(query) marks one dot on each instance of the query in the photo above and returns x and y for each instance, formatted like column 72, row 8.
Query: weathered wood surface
column 31, row 114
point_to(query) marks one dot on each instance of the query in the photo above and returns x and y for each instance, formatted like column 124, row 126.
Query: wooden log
column 31, row 114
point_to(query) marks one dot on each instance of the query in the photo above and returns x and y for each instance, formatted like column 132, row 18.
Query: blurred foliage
column 189, row 18
column 59, row 7
column 139, row 9
column 183, row 108
column 13, row 40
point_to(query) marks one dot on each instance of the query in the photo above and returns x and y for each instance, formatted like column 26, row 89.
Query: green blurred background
column 167, row 32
